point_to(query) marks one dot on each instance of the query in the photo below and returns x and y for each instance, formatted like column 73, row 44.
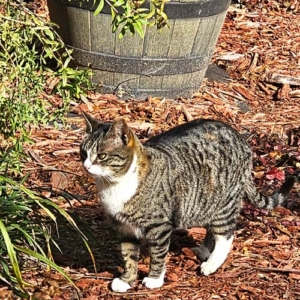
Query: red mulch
column 259, row 47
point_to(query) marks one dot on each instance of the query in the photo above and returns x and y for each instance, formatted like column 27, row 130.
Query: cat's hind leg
column 221, row 230
column 219, row 254
column 204, row 251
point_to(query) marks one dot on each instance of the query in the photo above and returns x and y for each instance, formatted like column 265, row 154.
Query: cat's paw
column 208, row 268
column 201, row 252
column 120, row 286
column 153, row 283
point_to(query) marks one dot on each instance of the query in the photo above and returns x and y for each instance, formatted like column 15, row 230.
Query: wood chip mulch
column 259, row 48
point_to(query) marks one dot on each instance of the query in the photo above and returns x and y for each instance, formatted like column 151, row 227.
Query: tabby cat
column 194, row 175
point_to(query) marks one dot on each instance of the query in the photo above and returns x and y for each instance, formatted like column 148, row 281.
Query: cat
column 194, row 175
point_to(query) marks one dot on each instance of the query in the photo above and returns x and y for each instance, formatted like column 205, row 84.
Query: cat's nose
column 87, row 164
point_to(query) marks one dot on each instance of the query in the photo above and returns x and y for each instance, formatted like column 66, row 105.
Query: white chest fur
column 114, row 196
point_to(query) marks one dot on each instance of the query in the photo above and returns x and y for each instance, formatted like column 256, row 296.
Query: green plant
column 34, row 73
column 32, row 55
column 22, row 213
column 133, row 15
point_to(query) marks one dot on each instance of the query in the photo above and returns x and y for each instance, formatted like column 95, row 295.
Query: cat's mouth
column 91, row 174
column 91, row 170
column 99, row 173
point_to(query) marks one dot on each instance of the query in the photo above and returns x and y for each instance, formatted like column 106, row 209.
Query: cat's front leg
column 130, row 250
column 158, row 246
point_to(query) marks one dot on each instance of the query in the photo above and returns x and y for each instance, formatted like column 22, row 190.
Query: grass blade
column 48, row 262
column 12, row 255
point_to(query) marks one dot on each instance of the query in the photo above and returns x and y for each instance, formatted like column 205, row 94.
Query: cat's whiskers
column 105, row 182
column 110, row 180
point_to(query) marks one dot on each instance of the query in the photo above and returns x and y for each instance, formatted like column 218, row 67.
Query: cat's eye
column 102, row 156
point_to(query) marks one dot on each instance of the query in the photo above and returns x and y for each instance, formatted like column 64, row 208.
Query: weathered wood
column 156, row 43
column 129, row 45
column 151, row 82
column 186, row 80
column 183, row 36
column 123, row 81
column 102, row 41
column 169, row 63
column 204, row 42
column 79, row 19
column 98, row 78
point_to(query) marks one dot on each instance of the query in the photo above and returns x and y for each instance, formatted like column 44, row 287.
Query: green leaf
column 138, row 26
column 49, row 33
column 140, row 10
column 163, row 15
column 12, row 255
column 64, row 78
column 48, row 262
column 119, row 3
column 150, row 14
column 144, row 22
column 29, row 238
column 113, row 13
column 99, row 7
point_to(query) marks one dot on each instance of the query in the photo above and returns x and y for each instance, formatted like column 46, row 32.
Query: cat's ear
column 92, row 124
column 121, row 129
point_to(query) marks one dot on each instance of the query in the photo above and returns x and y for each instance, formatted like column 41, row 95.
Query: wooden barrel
column 168, row 64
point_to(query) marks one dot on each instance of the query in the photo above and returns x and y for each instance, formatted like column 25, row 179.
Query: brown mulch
column 259, row 47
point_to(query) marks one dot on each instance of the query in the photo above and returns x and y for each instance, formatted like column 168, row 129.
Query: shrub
column 24, row 221
column 32, row 58
column 29, row 46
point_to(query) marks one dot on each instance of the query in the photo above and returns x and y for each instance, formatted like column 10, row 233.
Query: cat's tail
column 269, row 202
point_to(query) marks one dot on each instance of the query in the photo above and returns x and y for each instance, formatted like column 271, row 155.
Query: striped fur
column 194, row 175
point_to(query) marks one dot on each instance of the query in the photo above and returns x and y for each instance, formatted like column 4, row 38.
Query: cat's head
column 108, row 149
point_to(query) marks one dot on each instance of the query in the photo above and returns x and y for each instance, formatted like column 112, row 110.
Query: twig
column 264, row 88
column 282, row 79
column 296, row 271
column 254, row 61
column 186, row 113
column 232, row 95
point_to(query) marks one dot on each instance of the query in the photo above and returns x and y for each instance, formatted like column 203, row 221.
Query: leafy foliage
column 133, row 16
column 29, row 46
column 22, row 213
column 32, row 55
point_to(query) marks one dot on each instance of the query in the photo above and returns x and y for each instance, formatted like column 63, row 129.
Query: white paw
column 154, row 283
column 208, row 268
column 120, row 286
column 218, row 256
